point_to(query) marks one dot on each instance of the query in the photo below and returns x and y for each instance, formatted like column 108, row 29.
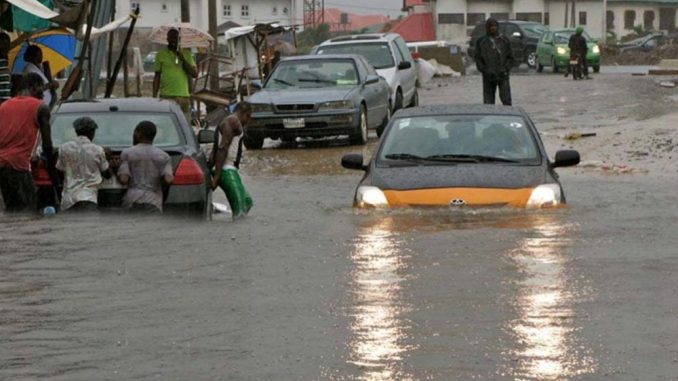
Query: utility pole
column 212, row 26
column 186, row 11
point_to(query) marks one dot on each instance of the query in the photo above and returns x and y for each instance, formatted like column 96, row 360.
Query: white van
column 389, row 55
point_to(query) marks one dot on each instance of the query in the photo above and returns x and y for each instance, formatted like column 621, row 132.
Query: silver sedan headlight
column 336, row 105
column 261, row 107
column 545, row 195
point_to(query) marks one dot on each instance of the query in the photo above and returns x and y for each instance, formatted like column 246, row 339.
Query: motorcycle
column 576, row 66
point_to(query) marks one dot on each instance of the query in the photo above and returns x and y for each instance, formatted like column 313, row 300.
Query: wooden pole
column 111, row 80
column 125, row 74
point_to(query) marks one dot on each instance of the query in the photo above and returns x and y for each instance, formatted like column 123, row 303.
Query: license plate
column 294, row 123
column 573, row 62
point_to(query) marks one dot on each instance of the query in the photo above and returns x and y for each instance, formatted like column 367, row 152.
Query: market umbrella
column 189, row 36
column 58, row 48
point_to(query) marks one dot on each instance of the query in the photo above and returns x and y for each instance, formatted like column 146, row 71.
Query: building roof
column 416, row 27
column 332, row 17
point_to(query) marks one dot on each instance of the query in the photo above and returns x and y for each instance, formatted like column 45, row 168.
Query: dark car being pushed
column 524, row 36
column 116, row 120
column 318, row 96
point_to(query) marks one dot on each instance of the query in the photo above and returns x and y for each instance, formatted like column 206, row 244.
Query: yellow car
column 460, row 155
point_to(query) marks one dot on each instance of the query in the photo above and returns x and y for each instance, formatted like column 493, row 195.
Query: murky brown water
column 306, row 288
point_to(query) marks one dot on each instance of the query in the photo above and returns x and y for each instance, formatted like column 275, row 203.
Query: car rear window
column 502, row 136
column 115, row 129
column 377, row 54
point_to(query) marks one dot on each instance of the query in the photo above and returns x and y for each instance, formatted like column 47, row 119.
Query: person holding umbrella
column 33, row 59
column 174, row 68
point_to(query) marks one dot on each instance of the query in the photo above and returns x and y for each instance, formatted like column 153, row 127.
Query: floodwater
column 307, row 288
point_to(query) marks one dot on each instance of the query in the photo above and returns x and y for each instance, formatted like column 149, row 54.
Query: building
column 340, row 21
column 454, row 19
column 242, row 12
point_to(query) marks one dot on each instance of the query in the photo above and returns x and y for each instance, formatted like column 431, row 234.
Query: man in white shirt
column 83, row 163
column 33, row 59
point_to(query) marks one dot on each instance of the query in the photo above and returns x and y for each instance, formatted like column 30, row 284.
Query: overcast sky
column 366, row 7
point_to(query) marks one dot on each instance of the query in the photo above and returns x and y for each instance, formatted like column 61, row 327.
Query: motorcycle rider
column 578, row 46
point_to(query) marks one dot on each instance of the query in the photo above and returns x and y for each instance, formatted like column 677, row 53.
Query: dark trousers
column 83, row 207
column 490, row 89
column 18, row 190
column 144, row 209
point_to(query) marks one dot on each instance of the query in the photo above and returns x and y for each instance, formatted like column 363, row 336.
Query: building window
column 133, row 5
column 529, row 16
column 227, row 10
column 451, row 18
column 648, row 20
column 547, row 20
column 582, row 18
column 609, row 19
column 245, row 10
column 475, row 18
column 629, row 19
column 499, row 16
column 286, row 11
column 275, row 10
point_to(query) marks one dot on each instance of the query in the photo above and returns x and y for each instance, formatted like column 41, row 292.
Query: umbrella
column 58, row 48
column 189, row 36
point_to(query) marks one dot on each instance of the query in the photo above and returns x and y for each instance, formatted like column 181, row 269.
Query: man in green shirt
column 174, row 69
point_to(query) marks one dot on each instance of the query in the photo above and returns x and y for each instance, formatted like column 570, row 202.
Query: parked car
column 553, row 51
column 317, row 96
column 116, row 119
column 645, row 43
column 524, row 36
column 460, row 155
column 389, row 55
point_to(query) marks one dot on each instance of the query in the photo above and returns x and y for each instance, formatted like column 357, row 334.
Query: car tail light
column 188, row 173
column 416, row 55
column 41, row 176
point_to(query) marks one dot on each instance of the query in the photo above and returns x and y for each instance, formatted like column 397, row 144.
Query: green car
column 552, row 50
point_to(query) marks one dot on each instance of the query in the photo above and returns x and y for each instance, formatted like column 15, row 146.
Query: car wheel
column 415, row 99
column 553, row 65
column 531, row 59
column 360, row 136
column 382, row 126
column 253, row 141
column 398, row 101
column 596, row 69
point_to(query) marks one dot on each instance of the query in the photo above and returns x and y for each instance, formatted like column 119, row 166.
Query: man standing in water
column 494, row 59
column 226, row 159
column 23, row 119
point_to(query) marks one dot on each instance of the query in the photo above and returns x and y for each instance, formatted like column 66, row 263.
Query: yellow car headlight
column 596, row 49
column 368, row 196
column 545, row 195
column 336, row 105
column 561, row 51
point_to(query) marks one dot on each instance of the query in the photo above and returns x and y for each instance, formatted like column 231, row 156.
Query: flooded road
column 306, row 288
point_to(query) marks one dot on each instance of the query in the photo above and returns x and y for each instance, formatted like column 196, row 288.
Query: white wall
column 594, row 16
column 262, row 11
